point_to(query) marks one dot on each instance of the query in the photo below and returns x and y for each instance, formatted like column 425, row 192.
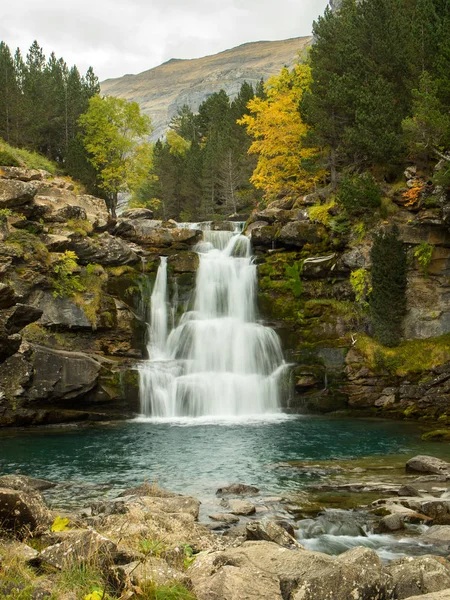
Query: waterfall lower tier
column 218, row 361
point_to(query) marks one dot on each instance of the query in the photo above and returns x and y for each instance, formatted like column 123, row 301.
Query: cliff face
column 163, row 90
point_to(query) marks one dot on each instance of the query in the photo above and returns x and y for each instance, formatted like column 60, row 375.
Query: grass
column 413, row 357
column 11, row 156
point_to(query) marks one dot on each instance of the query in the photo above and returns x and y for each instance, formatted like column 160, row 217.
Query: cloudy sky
column 130, row 36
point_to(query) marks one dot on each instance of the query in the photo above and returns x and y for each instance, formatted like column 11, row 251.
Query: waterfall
column 218, row 361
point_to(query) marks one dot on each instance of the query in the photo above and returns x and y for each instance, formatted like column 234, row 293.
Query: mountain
column 163, row 90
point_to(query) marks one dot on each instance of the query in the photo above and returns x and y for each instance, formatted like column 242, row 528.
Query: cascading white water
column 218, row 362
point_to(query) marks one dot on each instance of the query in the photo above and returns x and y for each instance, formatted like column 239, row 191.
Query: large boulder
column 444, row 595
column 25, row 484
column 137, row 213
column 21, row 316
column 439, row 535
column 105, row 250
column 59, row 312
column 299, row 233
column 15, row 193
column 238, row 489
column 61, row 375
column 415, row 576
column 232, row 583
column 7, row 296
column 22, row 513
column 427, row 464
column 270, row 531
column 80, row 547
column 354, row 574
column 153, row 233
column 23, row 174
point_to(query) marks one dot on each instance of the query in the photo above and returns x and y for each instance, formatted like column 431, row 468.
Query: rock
column 15, row 193
column 355, row 574
column 148, row 489
column 390, row 523
column 58, row 312
column 137, row 213
column 413, row 576
column 444, row 595
column 25, row 484
column 152, row 569
column 178, row 504
column 225, row 518
column 298, row 233
column 238, row 489
column 22, row 513
column 270, row 531
column 107, row 507
column 240, row 507
column 7, row 296
column 80, row 547
column 438, row 535
column 22, row 316
column 61, row 375
column 233, row 583
column 105, row 250
column 21, row 552
column 152, row 233
column 427, row 464
column 408, row 491
column 264, row 235
column 23, row 174
column 184, row 262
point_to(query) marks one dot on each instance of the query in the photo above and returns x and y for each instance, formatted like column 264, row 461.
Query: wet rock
column 184, row 262
column 80, row 547
column 270, row 531
column 415, row 576
column 390, row 523
column 15, row 193
column 225, row 518
column 264, row 235
column 22, row 513
column 25, row 484
column 239, row 507
column 61, row 375
column 427, row 464
column 438, row 535
column 238, row 489
column 148, row 489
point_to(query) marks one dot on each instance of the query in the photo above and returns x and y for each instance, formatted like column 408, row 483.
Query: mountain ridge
column 162, row 90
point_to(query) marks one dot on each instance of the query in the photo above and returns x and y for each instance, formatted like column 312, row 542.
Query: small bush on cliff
column 359, row 194
column 424, row 254
column 294, row 283
column 388, row 298
column 66, row 284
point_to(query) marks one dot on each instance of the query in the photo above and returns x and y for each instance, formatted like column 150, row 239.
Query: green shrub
column 358, row 194
column 320, row 213
column 7, row 159
column 66, row 284
column 360, row 281
column 424, row 254
column 18, row 157
column 294, row 283
column 29, row 245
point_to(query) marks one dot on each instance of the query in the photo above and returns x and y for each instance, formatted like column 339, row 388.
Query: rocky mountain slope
column 163, row 90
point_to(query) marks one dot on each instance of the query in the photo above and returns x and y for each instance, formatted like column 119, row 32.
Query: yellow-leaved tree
column 278, row 132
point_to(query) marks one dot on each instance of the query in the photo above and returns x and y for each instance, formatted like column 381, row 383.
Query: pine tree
column 388, row 297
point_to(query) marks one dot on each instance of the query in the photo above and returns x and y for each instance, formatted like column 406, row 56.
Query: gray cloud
column 130, row 36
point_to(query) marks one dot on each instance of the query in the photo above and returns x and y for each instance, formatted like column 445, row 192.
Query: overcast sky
column 130, row 36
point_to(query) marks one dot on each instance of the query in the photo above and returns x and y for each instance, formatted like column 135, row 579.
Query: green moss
column 29, row 246
column 439, row 435
column 81, row 226
column 416, row 356
column 321, row 212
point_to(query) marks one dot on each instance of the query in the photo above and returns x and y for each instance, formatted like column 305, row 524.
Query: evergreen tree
column 388, row 297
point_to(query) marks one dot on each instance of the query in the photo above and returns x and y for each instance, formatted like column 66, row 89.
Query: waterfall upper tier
column 218, row 361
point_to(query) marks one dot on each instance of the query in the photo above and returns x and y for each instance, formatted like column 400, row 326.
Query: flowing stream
column 218, row 361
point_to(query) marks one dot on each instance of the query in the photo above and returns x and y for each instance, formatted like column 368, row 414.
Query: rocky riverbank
column 148, row 542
